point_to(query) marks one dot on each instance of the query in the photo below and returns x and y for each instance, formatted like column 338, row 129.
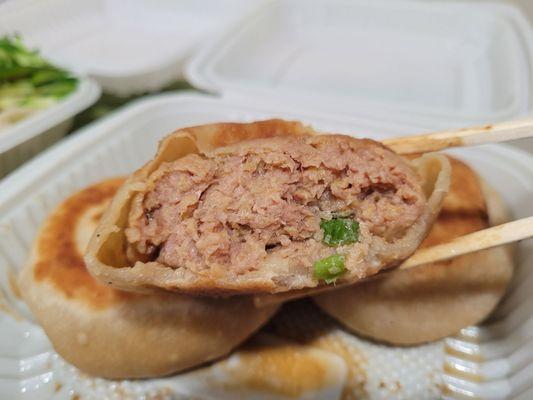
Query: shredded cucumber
column 27, row 80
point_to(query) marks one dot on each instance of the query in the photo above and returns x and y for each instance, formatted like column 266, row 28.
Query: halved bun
column 114, row 334
column 132, row 252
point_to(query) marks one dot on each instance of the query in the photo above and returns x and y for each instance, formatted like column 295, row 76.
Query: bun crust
column 115, row 334
column 425, row 304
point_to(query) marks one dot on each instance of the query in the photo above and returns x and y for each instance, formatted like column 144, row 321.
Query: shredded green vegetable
column 339, row 231
column 28, row 81
column 329, row 268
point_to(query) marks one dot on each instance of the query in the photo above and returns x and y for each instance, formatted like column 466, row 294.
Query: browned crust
column 58, row 258
column 114, row 334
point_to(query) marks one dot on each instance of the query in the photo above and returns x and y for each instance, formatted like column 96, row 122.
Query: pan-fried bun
column 114, row 334
column 434, row 301
column 258, row 216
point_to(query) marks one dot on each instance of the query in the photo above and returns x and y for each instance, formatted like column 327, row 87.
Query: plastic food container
column 491, row 361
column 128, row 49
column 28, row 137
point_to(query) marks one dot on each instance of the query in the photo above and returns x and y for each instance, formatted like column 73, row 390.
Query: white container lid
column 436, row 64
column 128, row 47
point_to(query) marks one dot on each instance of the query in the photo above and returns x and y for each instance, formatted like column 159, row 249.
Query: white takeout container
column 437, row 64
column 129, row 48
column 26, row 138
column 492, row 361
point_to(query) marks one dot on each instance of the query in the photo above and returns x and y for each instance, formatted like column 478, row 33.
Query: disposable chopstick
column 484, row 239
column 491, row 237
column 493, row 133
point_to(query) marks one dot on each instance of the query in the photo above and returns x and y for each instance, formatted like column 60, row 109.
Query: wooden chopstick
column 491, row 237
column 494, row 133
column 484, row 239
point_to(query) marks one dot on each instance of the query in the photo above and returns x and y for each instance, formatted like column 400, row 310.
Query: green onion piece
column 57, row 89
column 329, row 268
column 339, row 231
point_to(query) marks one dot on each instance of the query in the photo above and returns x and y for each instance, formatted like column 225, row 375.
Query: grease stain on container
column 303, row 322
column 279, row 368
column 13, row 284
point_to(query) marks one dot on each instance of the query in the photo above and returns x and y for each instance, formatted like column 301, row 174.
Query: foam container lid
column 127, row 49
column 437, row 64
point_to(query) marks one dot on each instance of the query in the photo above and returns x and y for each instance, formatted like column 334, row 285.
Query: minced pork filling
column 227, row 211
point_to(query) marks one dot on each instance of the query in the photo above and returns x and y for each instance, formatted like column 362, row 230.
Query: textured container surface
column 16, row 156
column 436, row 62
column 128, row 50
column 492, row 361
